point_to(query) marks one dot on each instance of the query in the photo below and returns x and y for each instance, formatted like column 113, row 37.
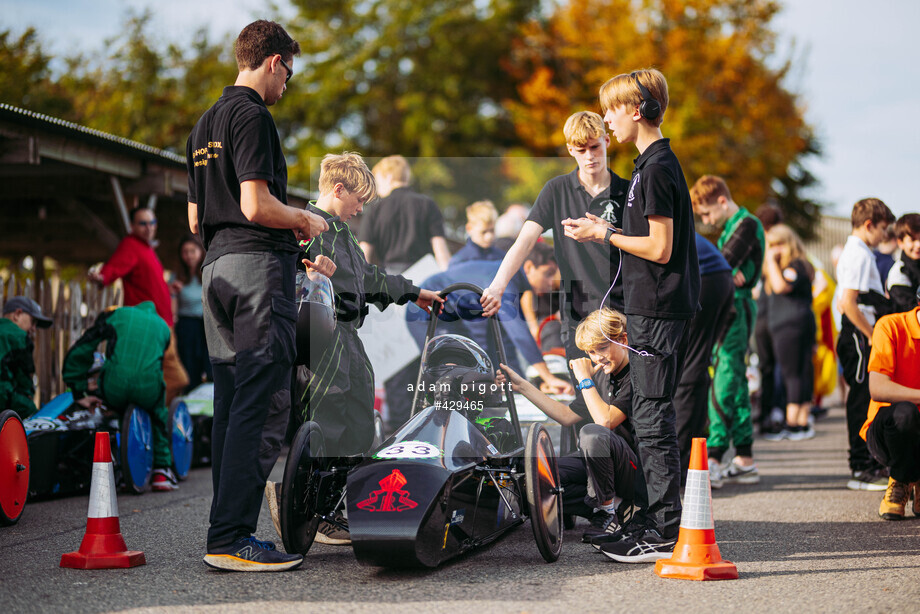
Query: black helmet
column 457, row 355
column 315, row 317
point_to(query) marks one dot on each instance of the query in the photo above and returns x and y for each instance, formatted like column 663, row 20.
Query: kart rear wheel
column 181, row 442
column 299, row 513
column 544, row 493
column 14, row 468
column 136, row 447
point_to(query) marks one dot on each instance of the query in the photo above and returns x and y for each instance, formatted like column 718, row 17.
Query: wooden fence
column 73, row 307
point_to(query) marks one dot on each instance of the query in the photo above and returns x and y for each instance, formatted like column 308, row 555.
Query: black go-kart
column 454, row 477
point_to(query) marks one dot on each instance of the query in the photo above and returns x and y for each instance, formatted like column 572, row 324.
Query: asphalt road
column 800, row 540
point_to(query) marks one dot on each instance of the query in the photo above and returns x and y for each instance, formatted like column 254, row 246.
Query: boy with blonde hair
column 599, row 478
column 480, row 227
column 404, row 225
column 340, row 391
column 661, row 282
column 586, row 270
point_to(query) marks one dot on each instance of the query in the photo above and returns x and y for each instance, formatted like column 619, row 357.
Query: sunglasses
column 146, row 223
column 288, row 68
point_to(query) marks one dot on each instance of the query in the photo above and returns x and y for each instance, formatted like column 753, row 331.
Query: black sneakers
column 250, row 554
column 631, row 528
column 647, row 547
column 602, row 523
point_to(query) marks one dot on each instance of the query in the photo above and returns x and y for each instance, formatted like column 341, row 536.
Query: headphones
column 649, row 108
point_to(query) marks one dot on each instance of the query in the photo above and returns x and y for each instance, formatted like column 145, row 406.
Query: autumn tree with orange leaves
column 729, row 113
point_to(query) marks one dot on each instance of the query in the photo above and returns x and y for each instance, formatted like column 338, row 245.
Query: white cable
column 604, row 300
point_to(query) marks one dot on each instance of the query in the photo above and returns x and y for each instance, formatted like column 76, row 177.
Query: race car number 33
column 409, row 449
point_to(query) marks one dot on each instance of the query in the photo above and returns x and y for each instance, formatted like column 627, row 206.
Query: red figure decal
column 390, row 497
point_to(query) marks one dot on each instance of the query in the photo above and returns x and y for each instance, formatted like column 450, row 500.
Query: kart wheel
column 181, row 442
column 306, row 458
column 136, row 450
column 544, row 495
column 14, row 467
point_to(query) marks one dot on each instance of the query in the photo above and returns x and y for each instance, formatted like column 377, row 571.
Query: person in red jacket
column 139, row 268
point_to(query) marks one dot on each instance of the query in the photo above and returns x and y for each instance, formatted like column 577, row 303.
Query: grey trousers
column 249, row 317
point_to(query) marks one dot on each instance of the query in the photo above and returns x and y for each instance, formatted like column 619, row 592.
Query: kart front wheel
column 14, row 468
column 182, row 438
column 136, row 447
column 544, row 492
column 299, row 490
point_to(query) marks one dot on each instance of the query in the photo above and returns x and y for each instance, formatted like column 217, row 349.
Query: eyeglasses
column 289, row 69
column 146, row 223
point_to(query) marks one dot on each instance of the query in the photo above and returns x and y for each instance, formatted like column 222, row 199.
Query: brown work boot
column 915, row 489
column 896, row 497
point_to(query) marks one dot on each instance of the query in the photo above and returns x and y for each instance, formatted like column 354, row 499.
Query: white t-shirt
column 856, row 270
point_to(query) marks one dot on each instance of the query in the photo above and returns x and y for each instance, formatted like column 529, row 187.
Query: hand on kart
column 323, row 265
column 584, row 230
column 428, row 297
column 90, row 402
column 311, row 226
column 491, row 301
column 583, row 368
column 505, row 374
column 557, row 385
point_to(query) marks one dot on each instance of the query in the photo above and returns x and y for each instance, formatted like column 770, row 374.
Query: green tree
column 147, row 92
column 391, row 76
column 26, row 80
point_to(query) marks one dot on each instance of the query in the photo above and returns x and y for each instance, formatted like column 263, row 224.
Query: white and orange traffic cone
column 696, row 555
column 103, row 546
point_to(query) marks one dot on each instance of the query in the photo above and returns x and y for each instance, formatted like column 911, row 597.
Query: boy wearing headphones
column 661, row 283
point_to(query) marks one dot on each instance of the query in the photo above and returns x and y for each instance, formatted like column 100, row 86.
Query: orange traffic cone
column 696, row 555
column 103, row 547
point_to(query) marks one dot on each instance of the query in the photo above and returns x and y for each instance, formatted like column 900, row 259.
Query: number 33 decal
column 409, row 449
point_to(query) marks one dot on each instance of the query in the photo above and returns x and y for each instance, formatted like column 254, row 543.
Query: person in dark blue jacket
column 707, row 326
column 461, row 312
column 480, row 226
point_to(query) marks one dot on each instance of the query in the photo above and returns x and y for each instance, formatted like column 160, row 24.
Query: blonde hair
column 598, row 328
column 351, row 171
column 581, row 127
column 622, row 90
column 482, row 211
column 780, row 234
column 707, row 190
column 395, row 168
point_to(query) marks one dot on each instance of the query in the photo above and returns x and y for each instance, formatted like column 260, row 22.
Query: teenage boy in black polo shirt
column 587, row 270
column 237, row 201
column 661, row 280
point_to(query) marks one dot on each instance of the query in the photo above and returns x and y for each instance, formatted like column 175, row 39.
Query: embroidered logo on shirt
column 609, row 215
column 632, row 190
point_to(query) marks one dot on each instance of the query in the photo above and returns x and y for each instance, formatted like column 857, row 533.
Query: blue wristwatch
column 585, row 384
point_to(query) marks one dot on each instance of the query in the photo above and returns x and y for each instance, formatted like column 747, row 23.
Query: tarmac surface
column 801, row 541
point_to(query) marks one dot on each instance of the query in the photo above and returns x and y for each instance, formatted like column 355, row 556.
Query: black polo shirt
column 235, row 141
column 400, row 226
column 586, row 269
column 668, row 291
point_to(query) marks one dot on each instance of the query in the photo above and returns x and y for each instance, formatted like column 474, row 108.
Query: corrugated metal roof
column 98, row 137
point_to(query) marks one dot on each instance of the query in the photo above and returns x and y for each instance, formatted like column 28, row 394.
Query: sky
column 857, row 72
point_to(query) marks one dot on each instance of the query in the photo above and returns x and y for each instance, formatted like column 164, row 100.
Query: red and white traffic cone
column 696, row 554
column 103, row 546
